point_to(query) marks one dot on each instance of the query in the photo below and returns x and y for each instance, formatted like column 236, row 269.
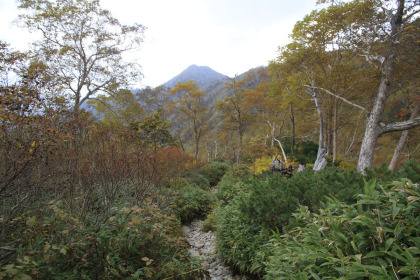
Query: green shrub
column 193, row 203
column 198, row 180
column 214, row 171
column 410, row 170
column 178, row 183
column 240, row 242
column 209, row 223
column 380, row 174
column 273, row 199
column 230, row 186
column 132, row 243
column 376, row 238
column 305, row 151
column 251, row 209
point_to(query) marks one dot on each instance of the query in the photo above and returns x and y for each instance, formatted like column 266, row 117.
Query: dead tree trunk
column 273, row 127
column 403, row 139
column 321, row 161
column 292, row 119
column 335, row 132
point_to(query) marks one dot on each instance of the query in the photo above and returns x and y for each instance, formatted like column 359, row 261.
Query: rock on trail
column 203, row 246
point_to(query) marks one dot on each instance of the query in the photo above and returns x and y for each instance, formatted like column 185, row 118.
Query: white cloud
column 230, row 36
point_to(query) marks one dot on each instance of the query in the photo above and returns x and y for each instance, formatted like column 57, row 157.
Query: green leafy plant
column 209, row 223
column 230, row 185
column 273, row 198
column 239, row 241
column 214, row 171
column 137, row 242
column 193, row 202
column 376, row 237
column 199, row 180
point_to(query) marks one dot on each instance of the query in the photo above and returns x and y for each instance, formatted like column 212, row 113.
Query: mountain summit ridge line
column 200, row 74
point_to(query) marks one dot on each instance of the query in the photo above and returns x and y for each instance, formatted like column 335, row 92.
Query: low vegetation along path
column 203, row 246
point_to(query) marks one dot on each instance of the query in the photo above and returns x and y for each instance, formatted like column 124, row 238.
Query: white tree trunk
column 321, row 159
column 403, row 139
column 282, row 150
column 373, row 122
column 372, row 133
column 335, row 133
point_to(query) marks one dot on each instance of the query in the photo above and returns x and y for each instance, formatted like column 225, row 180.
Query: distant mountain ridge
column 200, row 74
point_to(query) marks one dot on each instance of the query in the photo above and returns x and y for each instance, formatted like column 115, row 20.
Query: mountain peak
column 200, row 74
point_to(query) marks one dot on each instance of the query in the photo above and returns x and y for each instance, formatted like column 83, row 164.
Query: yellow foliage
column 261, row 164
column 264, row 163
column 30, row 222
column 345, row 165
column 293, row 163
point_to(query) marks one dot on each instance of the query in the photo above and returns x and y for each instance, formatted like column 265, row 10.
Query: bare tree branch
column 339, row 97
column 398, row 126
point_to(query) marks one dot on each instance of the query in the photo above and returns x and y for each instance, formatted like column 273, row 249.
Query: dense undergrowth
column 256, row 223
column 80, row 199
column 376, row 238
column 133, row 234
column 87, row 200
column 195, row 199
column 134, row 242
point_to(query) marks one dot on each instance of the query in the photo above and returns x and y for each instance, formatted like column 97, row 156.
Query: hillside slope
column 200, row 74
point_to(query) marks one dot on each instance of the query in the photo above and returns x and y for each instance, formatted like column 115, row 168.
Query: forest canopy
column 97, row 177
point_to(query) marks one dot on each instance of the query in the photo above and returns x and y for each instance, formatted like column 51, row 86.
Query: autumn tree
column 83, row 46
column 270, row 112
column 407, row 99
column 122, row 108
column 329, row 72
column 235, row 110
column 374, row 30
column 299, row 66
column 340, row 36
column 188, row 102
column 154, row 131
column 153, row 99
column 31, row 135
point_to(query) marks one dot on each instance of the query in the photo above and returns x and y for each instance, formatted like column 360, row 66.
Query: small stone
column 203, row 245
column 199, row 245
column 185, row 231
column 213, row 264
column 194, row 253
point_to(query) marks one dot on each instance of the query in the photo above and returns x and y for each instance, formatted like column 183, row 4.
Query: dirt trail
column 203, row 245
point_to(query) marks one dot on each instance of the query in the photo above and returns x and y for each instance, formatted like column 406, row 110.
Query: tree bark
column 329, row 132
column 239, row 155
column 373, row 127
column 292, row 118
column 321, row 161
column 335, row 132
column 282, row 150
column 321, row 151
column 273, row 132
column 403, row 139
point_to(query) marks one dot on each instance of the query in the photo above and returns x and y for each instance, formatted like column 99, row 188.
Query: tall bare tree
column 189, row 106
column 83, row 45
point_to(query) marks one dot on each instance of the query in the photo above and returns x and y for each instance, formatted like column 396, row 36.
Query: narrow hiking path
column 203, row 246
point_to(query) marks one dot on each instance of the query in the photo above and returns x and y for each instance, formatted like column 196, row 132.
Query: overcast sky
column 229, row 36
